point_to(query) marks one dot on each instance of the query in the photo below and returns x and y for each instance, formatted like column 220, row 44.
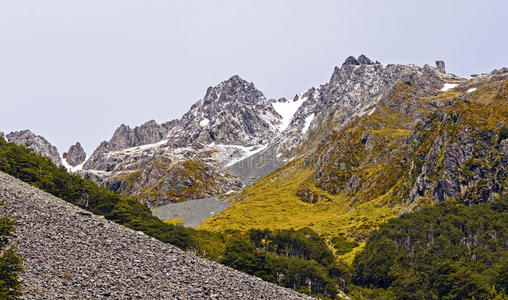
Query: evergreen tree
column 10, row 263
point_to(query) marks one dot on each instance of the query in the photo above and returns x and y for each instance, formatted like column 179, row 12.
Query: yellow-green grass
column 174, row 221
column 271, row 203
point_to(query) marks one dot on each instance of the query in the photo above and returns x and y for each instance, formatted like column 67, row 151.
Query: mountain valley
column 263, row 184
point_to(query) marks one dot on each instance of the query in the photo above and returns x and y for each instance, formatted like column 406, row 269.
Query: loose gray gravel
column 71, row 254
column 192, row 212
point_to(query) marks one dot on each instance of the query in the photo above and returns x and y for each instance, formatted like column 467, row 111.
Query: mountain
column 235, row 136
column 309, row 252
column 354, row 89
column 184, row 159
column 36, row 143
column 382, row 182
column 413, row 138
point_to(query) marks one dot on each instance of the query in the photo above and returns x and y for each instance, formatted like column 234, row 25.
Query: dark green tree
column 447, row 251
column 10, row 264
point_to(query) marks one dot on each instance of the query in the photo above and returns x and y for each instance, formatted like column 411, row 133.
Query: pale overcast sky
column 75, row 70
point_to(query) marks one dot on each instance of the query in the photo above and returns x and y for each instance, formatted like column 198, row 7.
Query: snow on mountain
column 448, row 86
column 287, row 109
column 307, row 123
column 70, row 168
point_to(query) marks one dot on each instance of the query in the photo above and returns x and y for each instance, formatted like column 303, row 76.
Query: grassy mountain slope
column 420, row 146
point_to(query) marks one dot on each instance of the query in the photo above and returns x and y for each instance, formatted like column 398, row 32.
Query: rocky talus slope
column 71, row 254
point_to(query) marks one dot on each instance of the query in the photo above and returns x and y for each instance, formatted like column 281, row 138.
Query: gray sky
column 75, row 70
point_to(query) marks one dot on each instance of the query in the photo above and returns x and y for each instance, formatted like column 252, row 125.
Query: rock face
column 71, row 254
column 37, row 143
column 232, row 113
column 75, row 156
column 351, row 60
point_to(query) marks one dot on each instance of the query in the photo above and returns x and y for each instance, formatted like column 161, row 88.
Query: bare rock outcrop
column 75, row 156
column 37, row 143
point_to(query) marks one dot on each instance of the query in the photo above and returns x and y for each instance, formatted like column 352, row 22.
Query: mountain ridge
column 237, row 136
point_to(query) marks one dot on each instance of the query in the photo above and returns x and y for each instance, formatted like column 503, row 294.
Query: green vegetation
column 361, row 176
column 42, row 173
column 300, row 260
column 333, row 219
column 447, row 251
column 10, row 263
column 342, row 245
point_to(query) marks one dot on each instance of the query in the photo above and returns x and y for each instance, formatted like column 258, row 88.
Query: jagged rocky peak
column 232, row 113
column 362, row 60
column 37, row 143
column 351, row 60
column 501, row 71
column 232, row 90
column 440, row 65
column 126, row 137
column 75, row 156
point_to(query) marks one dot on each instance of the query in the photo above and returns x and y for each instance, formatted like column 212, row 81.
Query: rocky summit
column 35, row 142
column 70, row 253
column 75, row 156
column 185, row 159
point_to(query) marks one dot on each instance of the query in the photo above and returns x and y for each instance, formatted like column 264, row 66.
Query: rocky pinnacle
column 75, row 156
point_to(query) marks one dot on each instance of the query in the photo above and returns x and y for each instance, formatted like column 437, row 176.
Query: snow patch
column 144, row 147
column 71, row 168
column 246, row 152
column 307, row 122
column 287, row 111
column 471, row 90
column 204, row 122
column 448, row 86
